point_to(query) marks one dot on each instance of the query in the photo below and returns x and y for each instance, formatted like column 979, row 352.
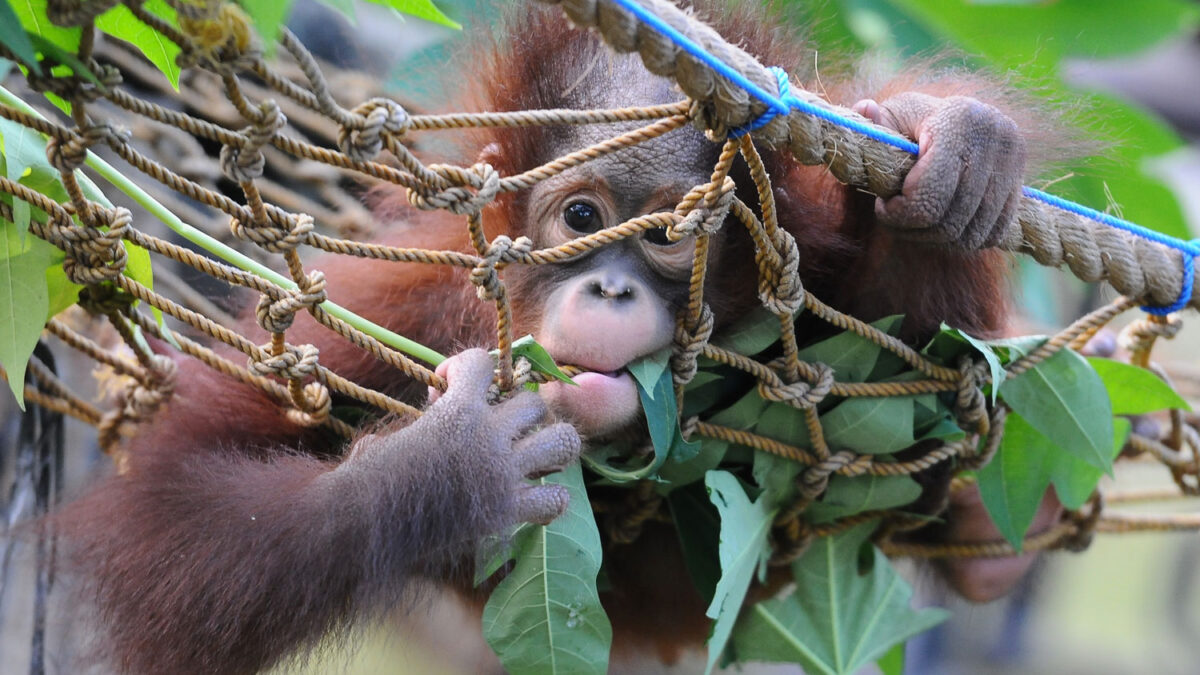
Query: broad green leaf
column 119, row 22
column 835, row 621
column 1074, row 480
column 23, row 303
column 1134, row 390
column 776, row 477
column 744, row 529
column 545, row 616
column 33, row 17
column 12, row 35
column 847, row 496
column 995, row 368
column 1065, row 400
column 1085, row 28
column 23, row 148
column 851, row 356
column 870, row 425
column 648, row 370
column 1012, row 484
column 422, row 9
column 751, row 334
column 677, row 472
column 783, row 423
column 539, row 358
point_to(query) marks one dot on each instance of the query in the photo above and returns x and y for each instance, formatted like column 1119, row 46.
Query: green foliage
column 13, row 36
column 545, row 616
column 836, row 620
column 743, row 550
column 1065, row 400
column 120, row 23
column 1133, row 390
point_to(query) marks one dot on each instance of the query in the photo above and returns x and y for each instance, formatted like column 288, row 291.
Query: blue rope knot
column 775, row 108
column 1190, row 251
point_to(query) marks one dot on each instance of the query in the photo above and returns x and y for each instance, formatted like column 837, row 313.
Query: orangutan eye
column 582, row 217
column 658, row 237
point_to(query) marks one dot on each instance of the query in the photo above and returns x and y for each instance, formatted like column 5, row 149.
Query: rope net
column 97, row 240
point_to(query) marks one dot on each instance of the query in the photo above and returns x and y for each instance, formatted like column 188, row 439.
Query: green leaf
column 648, row 370
column 995, row 368
column 23, row 148
column 1065, row 400
column 776, row 477
column 744, row 529
column 119, row 22
column 539, row 358
column 1134, row 390
column 268, row 18
column 65, row 58
column 1074, row 480
column 751, row 334
column 851, row 356
column 892, row 663
column 870, row 425
column 545, row 616
column 1013, row 483
column 836, row 621
column 847, row 496
column 422, row 9
column 13, row 36
column 23, row 303
column 33, row 17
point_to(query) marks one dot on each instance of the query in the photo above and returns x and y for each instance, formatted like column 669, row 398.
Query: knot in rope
column 815, row 478
column 970, row 406
column 68, row 155
column 705, row 219
column 137, row 403
column 689, row 343
column 786, row 295
column 500, row 252
column 94, row 255
column 244, row 164
column 801, row 394
column 362, row 138
column 522, row 375
column 295, row 362
column 1139, row 336
column 791, row 537
column 469, row 192
column 275, row 315
column 105, row 299
column 314, row 408
column 275, row 239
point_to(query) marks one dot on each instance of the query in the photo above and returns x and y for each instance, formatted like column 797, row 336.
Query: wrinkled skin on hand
column 485, row 451
column 966, row 185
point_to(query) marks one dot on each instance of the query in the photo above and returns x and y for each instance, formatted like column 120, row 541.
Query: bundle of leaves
column 847, row 606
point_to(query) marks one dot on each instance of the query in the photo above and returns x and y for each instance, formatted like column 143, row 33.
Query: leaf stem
column 232, row 256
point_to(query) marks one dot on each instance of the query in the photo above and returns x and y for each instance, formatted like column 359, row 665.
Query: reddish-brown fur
column 186, row 582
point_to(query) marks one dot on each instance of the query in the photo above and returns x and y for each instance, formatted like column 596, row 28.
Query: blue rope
column 785, row 102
